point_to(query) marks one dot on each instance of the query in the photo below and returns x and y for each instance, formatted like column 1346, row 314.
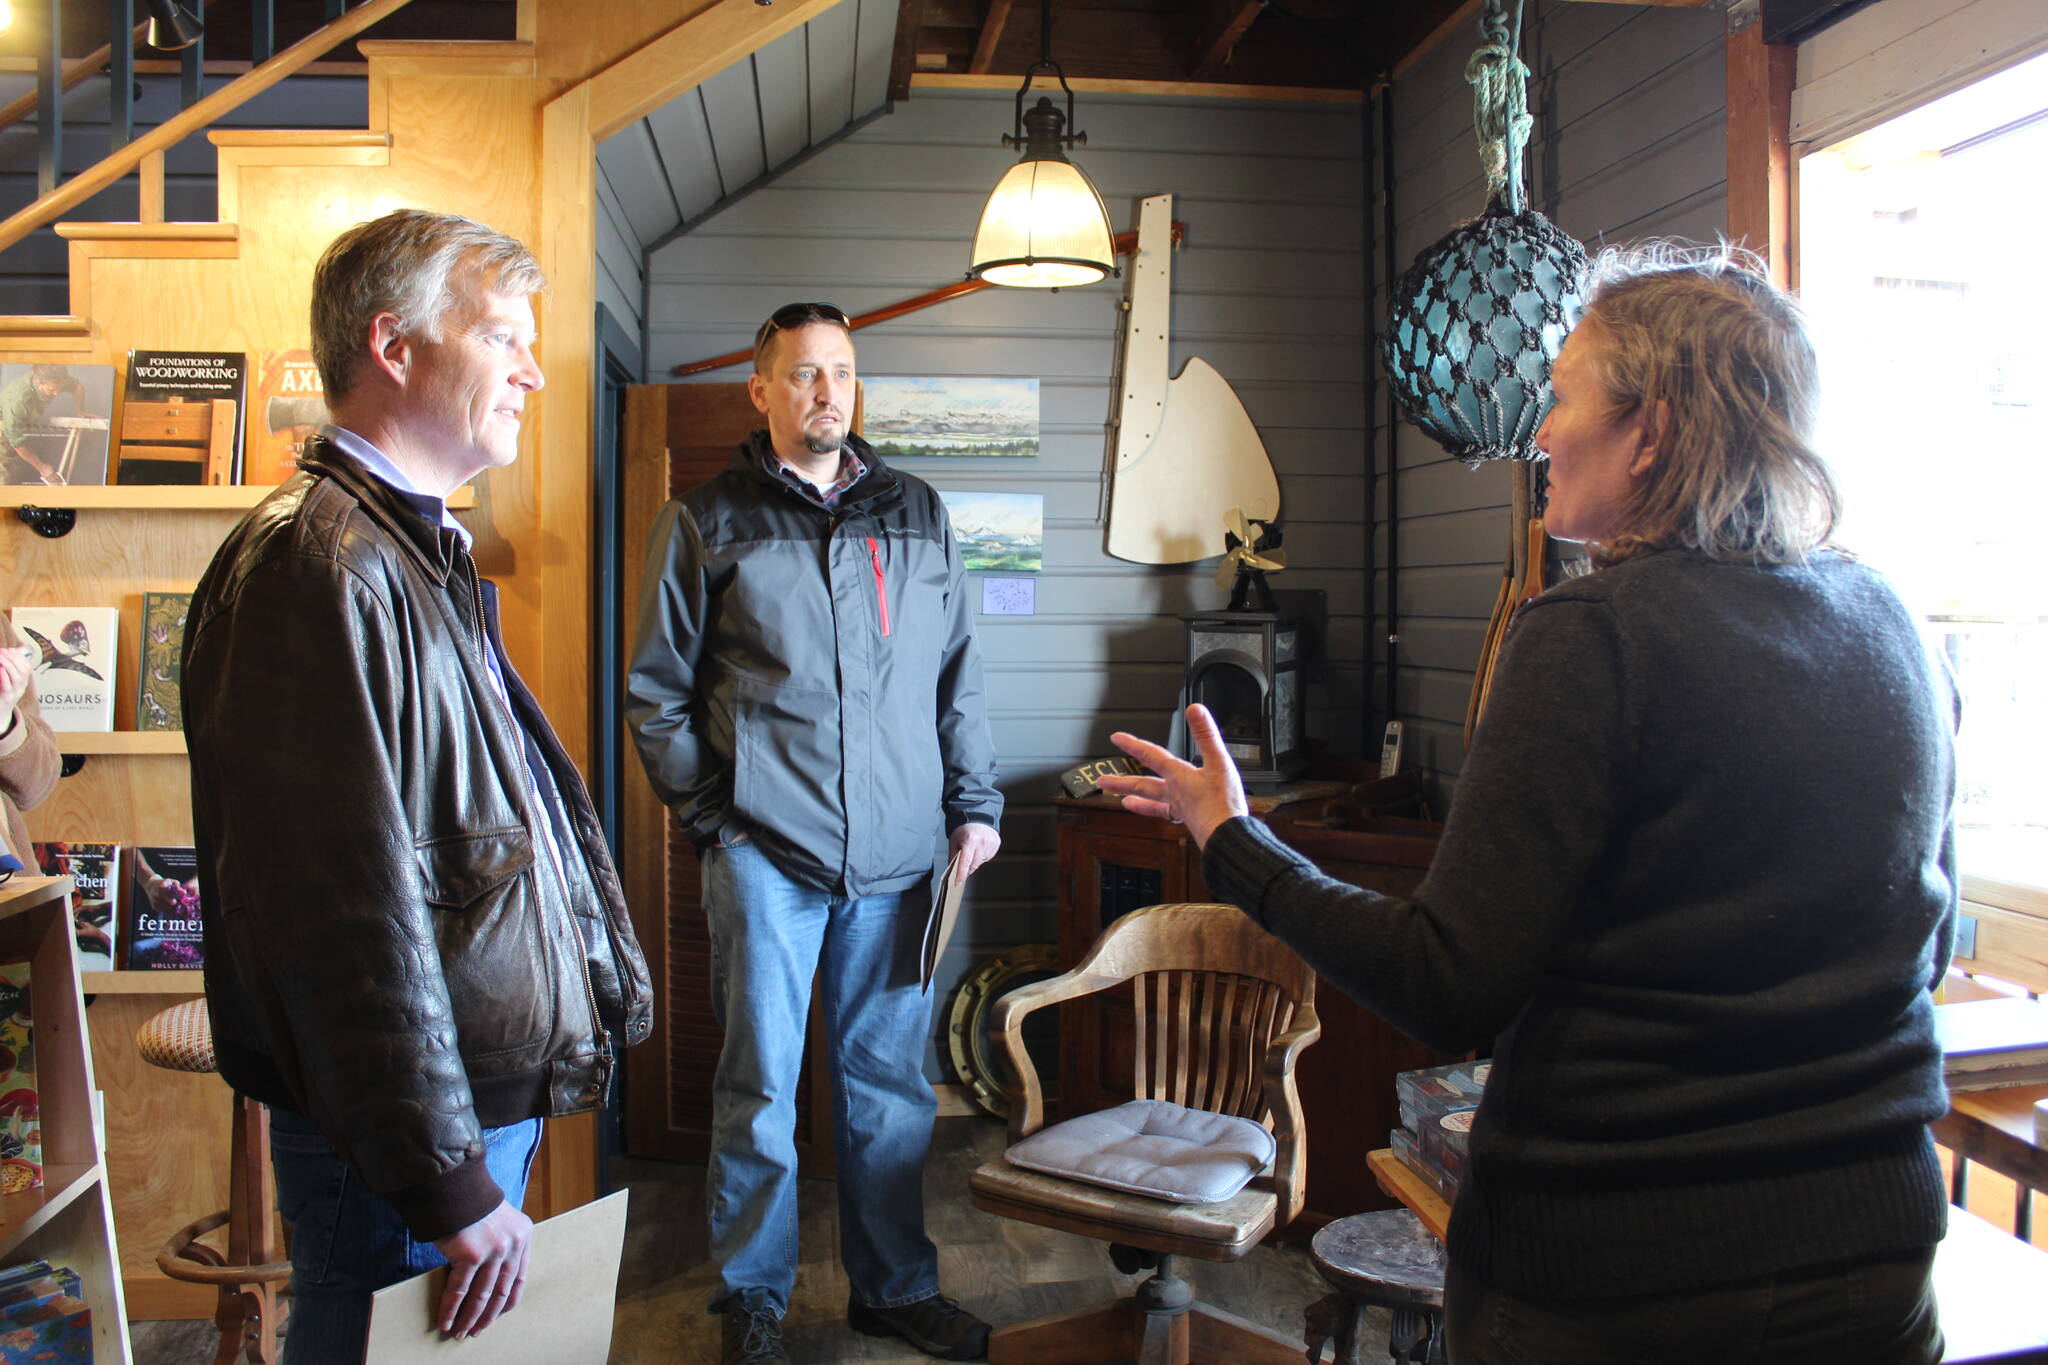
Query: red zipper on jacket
column 881, row 585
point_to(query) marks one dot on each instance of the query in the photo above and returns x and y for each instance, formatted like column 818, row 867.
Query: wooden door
column 678, row 436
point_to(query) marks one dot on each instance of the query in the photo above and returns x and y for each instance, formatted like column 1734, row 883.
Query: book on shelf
column 160, row 671
column 290, row 405
column 182, row 417
column 1990, row 1043
column 74, row 670
column 95, row 872
column 55, row 423
column 163, row 932
column 21, row 1122
column 28, row 1272
column 44, row 1317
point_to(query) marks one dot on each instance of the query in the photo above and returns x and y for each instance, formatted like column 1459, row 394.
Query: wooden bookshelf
column 161, row 497
column 70, row 1220
column 166, row 982
column 131, row 742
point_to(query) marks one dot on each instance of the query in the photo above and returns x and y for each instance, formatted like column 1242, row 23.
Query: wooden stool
column 1381, row 1260
column 250, row 1277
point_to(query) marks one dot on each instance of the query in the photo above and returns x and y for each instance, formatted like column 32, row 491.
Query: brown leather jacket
column 389, row 949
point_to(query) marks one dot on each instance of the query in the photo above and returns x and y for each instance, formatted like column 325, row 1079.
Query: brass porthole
column 974, row 1062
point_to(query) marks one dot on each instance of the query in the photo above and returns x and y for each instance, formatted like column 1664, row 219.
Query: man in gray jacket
column 807, row 697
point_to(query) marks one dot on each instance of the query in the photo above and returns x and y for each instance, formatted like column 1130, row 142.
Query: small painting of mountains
column 998, row 532
column 950, row 416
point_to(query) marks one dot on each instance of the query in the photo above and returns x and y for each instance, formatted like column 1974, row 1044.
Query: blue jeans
column 769, row 937
column 348, row 1243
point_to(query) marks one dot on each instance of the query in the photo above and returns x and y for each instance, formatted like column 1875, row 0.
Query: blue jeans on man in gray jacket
column 768, row 934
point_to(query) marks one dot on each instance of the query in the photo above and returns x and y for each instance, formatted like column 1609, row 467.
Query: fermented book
column 290, row 405
column 181, row 417
column 95, row 872
column 160, row 669
column 74, row 671
column 21, row 1122
column 54, row 423
column 163, row 930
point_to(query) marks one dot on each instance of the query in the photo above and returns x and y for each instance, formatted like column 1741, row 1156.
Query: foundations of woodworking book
column 181, row 417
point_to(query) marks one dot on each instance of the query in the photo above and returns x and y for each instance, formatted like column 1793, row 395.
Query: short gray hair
column 1703, row 331
column 405, row 263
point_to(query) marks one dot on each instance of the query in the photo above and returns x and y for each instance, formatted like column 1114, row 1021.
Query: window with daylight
column 1924, row 270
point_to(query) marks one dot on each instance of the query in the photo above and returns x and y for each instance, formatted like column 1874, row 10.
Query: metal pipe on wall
column 1368, row 165
column 1387, row 240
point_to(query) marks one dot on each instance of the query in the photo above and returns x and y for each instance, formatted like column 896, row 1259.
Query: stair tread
column 63, row 324
column 297, row 137
column 167, row 232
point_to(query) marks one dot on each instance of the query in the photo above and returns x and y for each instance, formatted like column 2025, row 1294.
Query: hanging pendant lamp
column 1481, row 315
column 1045, row 226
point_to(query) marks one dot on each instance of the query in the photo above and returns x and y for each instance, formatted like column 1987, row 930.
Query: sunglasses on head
column 799, row 315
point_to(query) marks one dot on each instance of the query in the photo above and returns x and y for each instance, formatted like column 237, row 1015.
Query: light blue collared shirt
column 379, row 464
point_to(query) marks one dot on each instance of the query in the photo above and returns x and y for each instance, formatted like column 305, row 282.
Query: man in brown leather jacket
column 416, row 945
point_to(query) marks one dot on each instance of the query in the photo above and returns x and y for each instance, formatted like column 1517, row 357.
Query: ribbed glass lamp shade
column 1045, row 227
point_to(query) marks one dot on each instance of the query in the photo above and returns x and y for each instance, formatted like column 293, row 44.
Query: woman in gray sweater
column 1695, row 889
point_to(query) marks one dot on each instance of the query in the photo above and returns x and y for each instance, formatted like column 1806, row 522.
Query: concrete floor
column 1002, row 1270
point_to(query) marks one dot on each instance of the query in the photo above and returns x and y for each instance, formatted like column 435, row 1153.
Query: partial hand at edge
column 486, row 1270
column 974, row 845
column 1200, row 798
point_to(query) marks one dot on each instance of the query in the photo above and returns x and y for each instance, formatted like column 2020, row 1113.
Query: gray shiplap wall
column 1630, row 142
column 1268, row 289
column 716, row 142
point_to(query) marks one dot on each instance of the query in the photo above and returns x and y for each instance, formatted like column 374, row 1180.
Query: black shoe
column 752, row 1332
column 936, row 1325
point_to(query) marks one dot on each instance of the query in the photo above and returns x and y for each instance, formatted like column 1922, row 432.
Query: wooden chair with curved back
column 1222, row 1010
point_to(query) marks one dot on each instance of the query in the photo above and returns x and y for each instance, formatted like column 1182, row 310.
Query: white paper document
column 564, row 1315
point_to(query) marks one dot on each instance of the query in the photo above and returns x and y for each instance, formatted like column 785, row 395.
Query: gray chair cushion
column 1151, row 1147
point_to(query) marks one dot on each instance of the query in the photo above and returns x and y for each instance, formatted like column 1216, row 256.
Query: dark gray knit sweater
column 1695, row 887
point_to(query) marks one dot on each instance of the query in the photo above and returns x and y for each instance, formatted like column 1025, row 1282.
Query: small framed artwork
column 957, row 417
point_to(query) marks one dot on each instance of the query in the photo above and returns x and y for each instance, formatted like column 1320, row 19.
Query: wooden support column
column 1760, row 146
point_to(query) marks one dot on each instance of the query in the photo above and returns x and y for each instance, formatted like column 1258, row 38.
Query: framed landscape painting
column 999, row 532
column 951, row 416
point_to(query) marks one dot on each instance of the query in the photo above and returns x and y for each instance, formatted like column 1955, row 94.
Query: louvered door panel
column 677, row 436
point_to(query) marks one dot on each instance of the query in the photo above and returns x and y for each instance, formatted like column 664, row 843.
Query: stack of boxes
column 1435, row 1135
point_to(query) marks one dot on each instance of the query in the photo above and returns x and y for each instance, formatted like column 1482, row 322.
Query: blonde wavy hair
column 1700, row 337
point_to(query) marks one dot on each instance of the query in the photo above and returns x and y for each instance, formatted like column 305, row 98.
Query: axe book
column 290, row 405
column 182, row 417
column 74, row 670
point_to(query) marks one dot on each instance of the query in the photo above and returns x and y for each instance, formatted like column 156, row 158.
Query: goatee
column 825, row 443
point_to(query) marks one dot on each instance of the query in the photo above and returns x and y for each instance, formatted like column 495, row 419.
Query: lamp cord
column 1500, row 103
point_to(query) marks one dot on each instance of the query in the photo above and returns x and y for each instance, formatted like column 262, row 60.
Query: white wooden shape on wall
column 1186, row 450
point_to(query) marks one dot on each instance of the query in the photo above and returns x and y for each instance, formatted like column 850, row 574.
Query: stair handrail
column 76, row 73
column 228, row 98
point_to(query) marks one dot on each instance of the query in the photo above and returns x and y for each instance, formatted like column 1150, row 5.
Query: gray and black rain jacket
column 809, row 676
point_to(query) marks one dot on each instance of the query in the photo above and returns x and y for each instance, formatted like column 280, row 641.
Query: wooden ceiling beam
column 991, row 34
column 903, row 59
column 1226, row 22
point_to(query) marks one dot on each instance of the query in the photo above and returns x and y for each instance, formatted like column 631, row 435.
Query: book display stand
column 69, row 1221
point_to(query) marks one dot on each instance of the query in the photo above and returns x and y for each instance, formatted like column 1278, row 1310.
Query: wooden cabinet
column 69, row 1221
column 1112, row 861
